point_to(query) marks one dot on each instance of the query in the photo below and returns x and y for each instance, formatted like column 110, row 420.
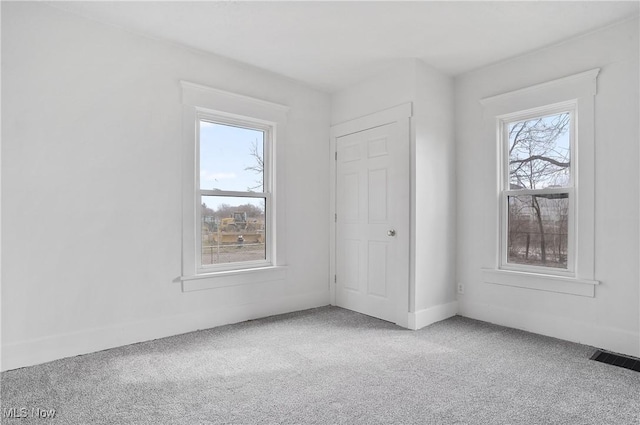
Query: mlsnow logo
column 23, row 412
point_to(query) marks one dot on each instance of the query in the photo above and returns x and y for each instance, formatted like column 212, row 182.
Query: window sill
column 223, row 279
column 541, row 282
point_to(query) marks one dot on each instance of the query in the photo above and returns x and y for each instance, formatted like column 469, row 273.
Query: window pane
column 231, row 158
column 233, row 229
column 537, row 233
column 540, row 152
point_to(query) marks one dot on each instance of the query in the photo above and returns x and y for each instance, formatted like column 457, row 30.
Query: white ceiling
column 331, row 45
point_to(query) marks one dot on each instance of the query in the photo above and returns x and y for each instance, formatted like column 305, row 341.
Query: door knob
column 391, row 232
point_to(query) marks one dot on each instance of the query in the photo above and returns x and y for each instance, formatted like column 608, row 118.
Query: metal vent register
column 617, row 360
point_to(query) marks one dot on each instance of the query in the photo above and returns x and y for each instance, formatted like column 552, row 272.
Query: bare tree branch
column 258, row 167
column 540, row 158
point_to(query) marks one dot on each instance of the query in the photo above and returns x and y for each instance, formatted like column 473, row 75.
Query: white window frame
column 577, row 93
column 268, row 130
column 503, row 122
column 211, row 104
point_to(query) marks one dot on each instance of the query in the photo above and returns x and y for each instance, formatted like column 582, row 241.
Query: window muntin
column 538, row 191
column 234, row 197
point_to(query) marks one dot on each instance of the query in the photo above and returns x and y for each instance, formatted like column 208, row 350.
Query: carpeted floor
column 331, row 366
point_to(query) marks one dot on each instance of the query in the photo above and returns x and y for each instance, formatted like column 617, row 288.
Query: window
column 233, row 194
column 545, row 201
column 537, row 221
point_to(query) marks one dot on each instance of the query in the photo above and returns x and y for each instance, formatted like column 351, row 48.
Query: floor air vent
column 617, row 360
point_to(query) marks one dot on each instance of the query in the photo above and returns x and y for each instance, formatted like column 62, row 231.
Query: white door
column 372, row 222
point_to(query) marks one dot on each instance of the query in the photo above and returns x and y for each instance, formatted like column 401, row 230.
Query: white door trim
column 401, row 115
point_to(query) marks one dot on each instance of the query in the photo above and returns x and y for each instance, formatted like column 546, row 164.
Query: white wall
column 432, row 286
column 434, row 191
column 91, row 188
column 610, row 320
column 395, row 86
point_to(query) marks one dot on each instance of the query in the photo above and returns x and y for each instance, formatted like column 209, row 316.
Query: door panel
column 351, row 264
column 377, row 269
column 377, row 187
column 372, row 196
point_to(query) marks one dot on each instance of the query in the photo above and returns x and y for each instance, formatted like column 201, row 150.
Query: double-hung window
column 537, row 196
column 233, row 191
column 545, row 205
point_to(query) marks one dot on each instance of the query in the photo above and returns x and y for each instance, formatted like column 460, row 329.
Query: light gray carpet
column 332, row 366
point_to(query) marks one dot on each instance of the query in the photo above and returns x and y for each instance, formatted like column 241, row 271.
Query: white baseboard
column 611, row 339
column 42, row 350
column 427, row 316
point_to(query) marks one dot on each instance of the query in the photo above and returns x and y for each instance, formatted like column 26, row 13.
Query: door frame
column 401, row 115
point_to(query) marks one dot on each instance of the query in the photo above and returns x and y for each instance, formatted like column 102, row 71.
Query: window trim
column 505, row 192
column 580, row 88
column 199, row 100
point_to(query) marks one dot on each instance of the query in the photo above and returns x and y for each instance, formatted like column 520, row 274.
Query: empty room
column 230, row 212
